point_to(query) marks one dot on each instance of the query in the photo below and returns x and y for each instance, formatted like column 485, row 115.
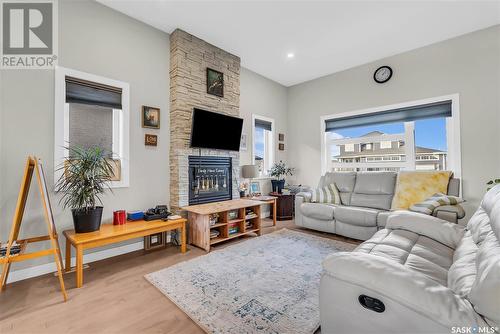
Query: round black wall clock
column 382, row 74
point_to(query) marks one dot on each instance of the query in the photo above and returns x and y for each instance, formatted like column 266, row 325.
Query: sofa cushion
column 416, row 252
column 344, row 181
column 319, row 211
column 356, row 216
column 327, row 194
column 374, row 190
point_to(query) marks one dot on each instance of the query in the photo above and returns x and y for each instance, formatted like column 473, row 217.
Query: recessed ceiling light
column 290, row 55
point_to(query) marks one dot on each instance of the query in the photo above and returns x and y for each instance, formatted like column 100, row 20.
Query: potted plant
column 85, row 176
column 278, row 171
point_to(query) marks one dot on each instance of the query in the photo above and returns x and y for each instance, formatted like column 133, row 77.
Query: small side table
column 284, row 206
column 268, row 200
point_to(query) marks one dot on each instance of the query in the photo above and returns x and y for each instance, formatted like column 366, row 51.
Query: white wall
column 101, row 41
column 468, row 65
column 264, row 97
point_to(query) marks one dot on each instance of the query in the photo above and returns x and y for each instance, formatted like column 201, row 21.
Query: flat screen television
column 217, row 131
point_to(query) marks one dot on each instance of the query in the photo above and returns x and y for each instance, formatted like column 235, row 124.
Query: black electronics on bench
column 160, row 212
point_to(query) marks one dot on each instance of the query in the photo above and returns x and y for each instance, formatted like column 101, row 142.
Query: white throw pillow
column 328, row 194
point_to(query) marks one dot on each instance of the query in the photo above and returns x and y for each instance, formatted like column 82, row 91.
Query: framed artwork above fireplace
column 215, row 82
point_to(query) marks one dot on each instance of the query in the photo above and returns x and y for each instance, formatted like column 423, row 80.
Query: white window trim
column 270, row 154
column 452, row 130
column 121, row 122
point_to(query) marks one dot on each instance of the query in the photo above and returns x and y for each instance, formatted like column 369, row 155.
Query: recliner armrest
column 305, row 195
column 440, row 230
column 398, row 283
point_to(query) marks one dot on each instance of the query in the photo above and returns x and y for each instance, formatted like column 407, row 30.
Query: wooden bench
column 109, row 234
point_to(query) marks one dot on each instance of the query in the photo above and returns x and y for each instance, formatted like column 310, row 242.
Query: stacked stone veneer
column 189, row 59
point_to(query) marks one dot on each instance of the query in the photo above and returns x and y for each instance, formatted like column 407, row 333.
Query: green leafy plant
column 492, row 183
column 279, row 170
column 85, row 176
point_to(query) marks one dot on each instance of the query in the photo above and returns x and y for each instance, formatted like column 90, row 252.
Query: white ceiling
column 325, row 36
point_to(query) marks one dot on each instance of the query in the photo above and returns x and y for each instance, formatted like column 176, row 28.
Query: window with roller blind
column 418, row 136
column 92, row 111
column 263, row 143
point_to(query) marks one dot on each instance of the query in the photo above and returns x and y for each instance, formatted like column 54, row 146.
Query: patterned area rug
column 268, row 284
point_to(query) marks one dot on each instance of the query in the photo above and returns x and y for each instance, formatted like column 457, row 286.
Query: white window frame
column 452, row 132
column 385, row 144
column 351, row 148
column 121, row 122
column 269, row 142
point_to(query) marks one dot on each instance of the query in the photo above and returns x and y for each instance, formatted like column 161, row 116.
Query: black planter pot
column 87, row 220
column 278, row 185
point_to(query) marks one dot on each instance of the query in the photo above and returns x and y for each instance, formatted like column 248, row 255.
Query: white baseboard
column 43, row 269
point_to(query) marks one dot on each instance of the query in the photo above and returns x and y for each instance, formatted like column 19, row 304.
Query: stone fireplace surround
column 189, row 59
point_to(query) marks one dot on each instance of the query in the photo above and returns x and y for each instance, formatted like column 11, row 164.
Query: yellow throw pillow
column 415, row 186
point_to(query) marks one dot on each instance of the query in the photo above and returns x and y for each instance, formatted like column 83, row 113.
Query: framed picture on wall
column 151, row 140
column 215, row 82
column 150, row 117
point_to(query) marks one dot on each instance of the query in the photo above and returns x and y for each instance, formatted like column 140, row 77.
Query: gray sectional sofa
column 366, row 202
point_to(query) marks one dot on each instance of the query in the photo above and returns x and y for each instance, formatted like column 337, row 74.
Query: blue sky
column 259, row 142
column 430, row 133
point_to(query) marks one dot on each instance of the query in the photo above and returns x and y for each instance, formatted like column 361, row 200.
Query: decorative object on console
column 150, row 140
column 119, row 217
column 382, row 74
column 150, row 117
column 135, row 215
column 159, row 212
column 155, row 241
column 279, row 171
column 250, row 172
column 254, row 188
column 215, row 82
column 84, row 178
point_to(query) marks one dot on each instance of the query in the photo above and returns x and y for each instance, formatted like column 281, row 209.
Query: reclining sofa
column 420, row 274
column 366, row 200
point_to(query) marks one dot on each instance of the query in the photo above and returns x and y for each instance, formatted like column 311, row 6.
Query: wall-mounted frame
column 281, row 146
column 243, row 142
column 150, row 140
column 215, row 82
column 150, row 117
column 281, row 137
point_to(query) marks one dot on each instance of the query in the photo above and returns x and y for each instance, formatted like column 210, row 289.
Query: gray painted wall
column 468, row 65
column 101, row 41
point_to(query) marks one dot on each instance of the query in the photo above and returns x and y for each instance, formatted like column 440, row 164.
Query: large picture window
column 415, row 137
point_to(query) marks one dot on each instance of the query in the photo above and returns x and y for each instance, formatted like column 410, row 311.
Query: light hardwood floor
column 115, row 296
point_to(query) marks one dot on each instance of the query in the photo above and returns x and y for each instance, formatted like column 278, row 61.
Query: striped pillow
column 429, row 205
column 327, row 194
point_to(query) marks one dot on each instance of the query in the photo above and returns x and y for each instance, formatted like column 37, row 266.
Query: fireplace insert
column 210, row 179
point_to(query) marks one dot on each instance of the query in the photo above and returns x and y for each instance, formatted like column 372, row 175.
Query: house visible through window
column 413, row 138
column 263, row 148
